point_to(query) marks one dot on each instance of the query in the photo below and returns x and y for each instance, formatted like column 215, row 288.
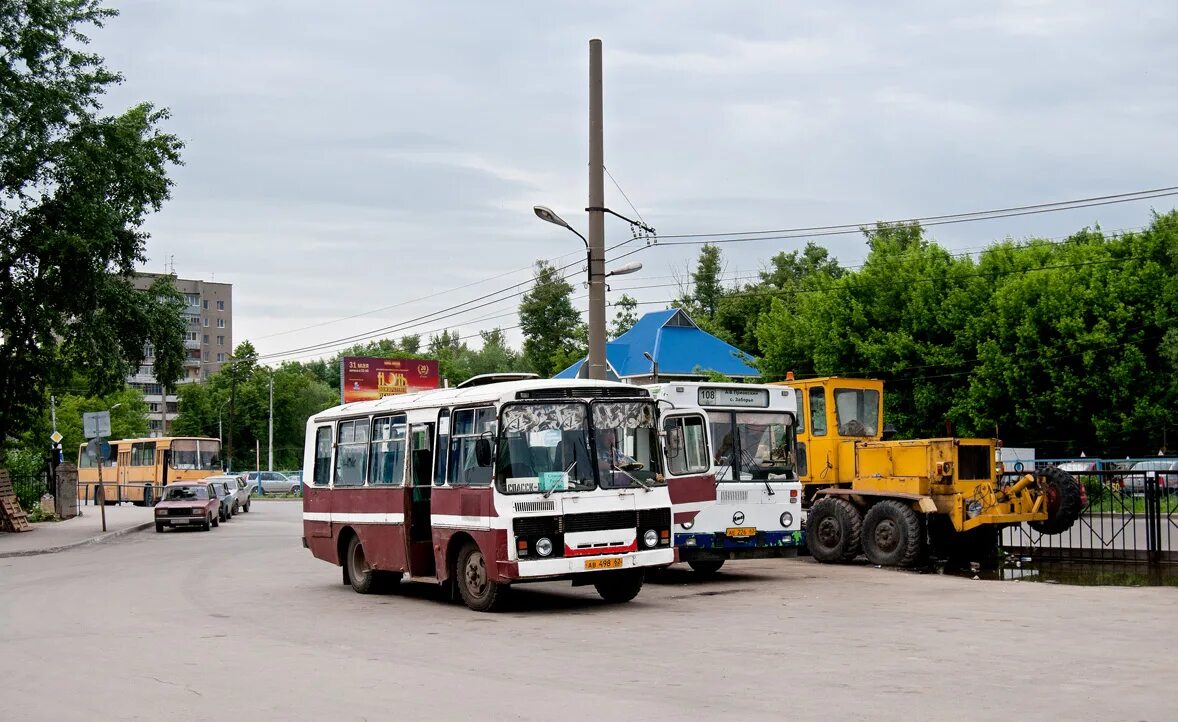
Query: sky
column 383, row 158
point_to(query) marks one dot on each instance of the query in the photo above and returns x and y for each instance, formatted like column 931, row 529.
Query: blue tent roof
column 676, row 343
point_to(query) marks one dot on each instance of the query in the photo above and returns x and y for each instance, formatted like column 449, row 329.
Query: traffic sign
column 96, row 423
column 56, row 437
column 98, row 449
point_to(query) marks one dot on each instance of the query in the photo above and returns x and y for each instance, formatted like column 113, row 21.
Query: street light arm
column 632, row 222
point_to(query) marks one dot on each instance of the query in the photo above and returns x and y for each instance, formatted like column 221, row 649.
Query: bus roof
column 496, row 392
column 158, row 439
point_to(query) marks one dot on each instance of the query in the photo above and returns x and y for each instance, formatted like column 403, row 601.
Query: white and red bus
column 490, row 484
column 752, row 509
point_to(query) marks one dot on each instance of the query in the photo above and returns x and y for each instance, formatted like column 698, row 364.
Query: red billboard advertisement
column 365, row 379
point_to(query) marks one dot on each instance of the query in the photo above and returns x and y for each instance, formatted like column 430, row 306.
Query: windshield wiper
column 566, row 473
column 638, row 481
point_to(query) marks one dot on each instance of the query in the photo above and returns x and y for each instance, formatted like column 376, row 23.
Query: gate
column 1127, row 516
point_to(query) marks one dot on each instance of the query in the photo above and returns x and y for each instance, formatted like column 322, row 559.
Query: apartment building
column 208, row 341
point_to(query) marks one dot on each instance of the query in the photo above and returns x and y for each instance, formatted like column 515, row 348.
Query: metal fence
column 1128, row 514
column 29, row 488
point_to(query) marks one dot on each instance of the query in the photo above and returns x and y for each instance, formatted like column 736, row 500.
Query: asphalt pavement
column 241, row 622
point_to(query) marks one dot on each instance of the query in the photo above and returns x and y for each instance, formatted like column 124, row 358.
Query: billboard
column 364, row 379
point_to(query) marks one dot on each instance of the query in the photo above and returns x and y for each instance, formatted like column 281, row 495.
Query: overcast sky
column 347, row 156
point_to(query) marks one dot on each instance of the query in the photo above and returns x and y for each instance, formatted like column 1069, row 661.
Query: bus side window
column 818, row 411
column 442, row 445
column 469, row 426
column 687, row 445
column 322, row 472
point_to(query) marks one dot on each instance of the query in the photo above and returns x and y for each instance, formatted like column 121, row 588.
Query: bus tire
column 359, row 573
column 833, row 530
column 619, row 587
column 479, row 592
column 706, row 567
column 892, row 535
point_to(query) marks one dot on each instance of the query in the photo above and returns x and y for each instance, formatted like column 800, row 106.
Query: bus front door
column 420, row 536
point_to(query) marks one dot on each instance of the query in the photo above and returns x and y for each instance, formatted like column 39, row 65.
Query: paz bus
column 136, row 470
column 491, row 483
column 754, row 508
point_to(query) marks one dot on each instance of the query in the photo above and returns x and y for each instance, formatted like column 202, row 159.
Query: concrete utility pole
column 596, row 360
column 270, row 452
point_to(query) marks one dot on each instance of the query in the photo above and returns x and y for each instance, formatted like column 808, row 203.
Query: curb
column 85, row 542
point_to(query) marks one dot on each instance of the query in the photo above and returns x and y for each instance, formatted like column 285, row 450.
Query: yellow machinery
column 892, row 499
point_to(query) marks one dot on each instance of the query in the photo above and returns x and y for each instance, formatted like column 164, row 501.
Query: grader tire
column 1062, row 494
column 833, row 529
column 892, row 535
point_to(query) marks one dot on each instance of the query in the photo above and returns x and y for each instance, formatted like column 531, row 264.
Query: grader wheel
column 892, row 536
column 833, row 529
column 1063, row 502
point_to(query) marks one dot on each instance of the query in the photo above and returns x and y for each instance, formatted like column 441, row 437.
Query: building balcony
column 194, row 344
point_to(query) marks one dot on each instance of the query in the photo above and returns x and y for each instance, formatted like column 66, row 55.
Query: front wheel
column 478, row 590
column 833, row 529
column 619, row 587
column 294, row 490
column 246, row 508
column 706, row 568
column 216, row 519
column 159, row 528
column 210, row 522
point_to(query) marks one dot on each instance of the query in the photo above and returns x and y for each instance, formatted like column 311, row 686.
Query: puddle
column 1084, row 574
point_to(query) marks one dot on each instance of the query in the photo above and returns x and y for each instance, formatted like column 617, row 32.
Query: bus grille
column 654, row 519
column 599, row 521
column 593, row 521
column 535, row 505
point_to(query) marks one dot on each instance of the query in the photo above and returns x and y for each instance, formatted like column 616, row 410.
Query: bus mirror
column 482, row 452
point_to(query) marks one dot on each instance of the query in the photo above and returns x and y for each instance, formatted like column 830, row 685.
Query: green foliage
column 626, row 316
column 127, row 420
column 75, row 189
column 554, row 336
column 703, row 300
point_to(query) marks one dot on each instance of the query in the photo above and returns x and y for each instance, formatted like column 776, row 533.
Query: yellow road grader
column 895, row 500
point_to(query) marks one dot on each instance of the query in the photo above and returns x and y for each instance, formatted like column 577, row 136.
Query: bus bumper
column 717, row 545
column 566, row 566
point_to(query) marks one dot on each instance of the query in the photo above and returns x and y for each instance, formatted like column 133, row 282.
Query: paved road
column 242, row 622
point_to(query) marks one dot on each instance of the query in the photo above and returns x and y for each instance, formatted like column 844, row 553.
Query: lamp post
column 596, row 360
column 654, row 367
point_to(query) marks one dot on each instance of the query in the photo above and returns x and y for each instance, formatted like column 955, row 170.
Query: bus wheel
column 619, row 587
column 478, row 591
column 360, row 574
column 706, row 567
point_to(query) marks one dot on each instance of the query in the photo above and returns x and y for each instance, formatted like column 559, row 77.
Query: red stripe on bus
column 685, row 516
column 462, row 501
column 570, row 552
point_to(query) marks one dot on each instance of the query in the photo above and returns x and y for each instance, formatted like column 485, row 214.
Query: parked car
column 1167, row 471
column 240, row 489
column 274, row 482
column 226, row 490
column 195, row 504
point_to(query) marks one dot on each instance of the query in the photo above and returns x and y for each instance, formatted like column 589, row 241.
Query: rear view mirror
column 482, row 452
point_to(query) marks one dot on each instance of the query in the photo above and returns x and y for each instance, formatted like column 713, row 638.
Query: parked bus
column 136, row 469
column 490, row 484
column 752, row 509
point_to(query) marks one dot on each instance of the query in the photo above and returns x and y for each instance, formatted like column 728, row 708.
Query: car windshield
column 752, row 445
column 626, row 443
column 186, row 493
column 544, row 448
column 202, row 454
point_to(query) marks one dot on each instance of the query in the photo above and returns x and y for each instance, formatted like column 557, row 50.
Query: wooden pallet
column 12, row 517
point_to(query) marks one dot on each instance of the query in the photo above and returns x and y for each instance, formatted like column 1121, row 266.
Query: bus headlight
column 650, row 538
column 688, row 524
column 544, row 547
column 786, row 519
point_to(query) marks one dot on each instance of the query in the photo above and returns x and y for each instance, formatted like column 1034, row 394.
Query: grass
column 1126, row 504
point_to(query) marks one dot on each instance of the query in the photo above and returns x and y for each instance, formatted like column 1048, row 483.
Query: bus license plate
column 615, row 563
column 741, row 531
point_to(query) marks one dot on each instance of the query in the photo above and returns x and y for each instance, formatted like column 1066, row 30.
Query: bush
column 26, row 469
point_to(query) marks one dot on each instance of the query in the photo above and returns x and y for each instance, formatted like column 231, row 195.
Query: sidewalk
column 48, row 537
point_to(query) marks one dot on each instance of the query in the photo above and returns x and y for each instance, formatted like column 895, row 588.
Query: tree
column 626, row 316
column 552, row 328
column 128, row 419
column 702, row 301
column 75, row 189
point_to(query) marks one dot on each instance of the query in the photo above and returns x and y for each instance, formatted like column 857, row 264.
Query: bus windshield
column 626, row 440
column 202, row 454
column 544, row 448
column 752, row 445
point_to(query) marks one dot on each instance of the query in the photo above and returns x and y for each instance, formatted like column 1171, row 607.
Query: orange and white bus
column 490, row 484
column 137, row 469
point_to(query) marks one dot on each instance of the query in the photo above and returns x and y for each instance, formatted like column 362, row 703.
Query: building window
column 172, row 407
column 153, row 407
column 151, row 390
column 220, row 340
column 204, row 304
column 205, row 322
column 206, row 338
column 193, row 319
column 220, row 323
column 220, row 305
column 190, row 335
column 221, row 358
column 193, row 299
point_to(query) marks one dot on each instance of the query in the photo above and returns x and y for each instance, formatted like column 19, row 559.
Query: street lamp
column 654, row 367
column 595, row 363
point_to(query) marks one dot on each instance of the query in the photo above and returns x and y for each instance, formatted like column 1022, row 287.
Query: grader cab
column 894, row 500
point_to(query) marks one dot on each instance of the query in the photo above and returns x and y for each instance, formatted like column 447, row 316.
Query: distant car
column 226, row 490
column 1167, row 471
column 274, row 482
column 195, row 504
column 241, row 492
